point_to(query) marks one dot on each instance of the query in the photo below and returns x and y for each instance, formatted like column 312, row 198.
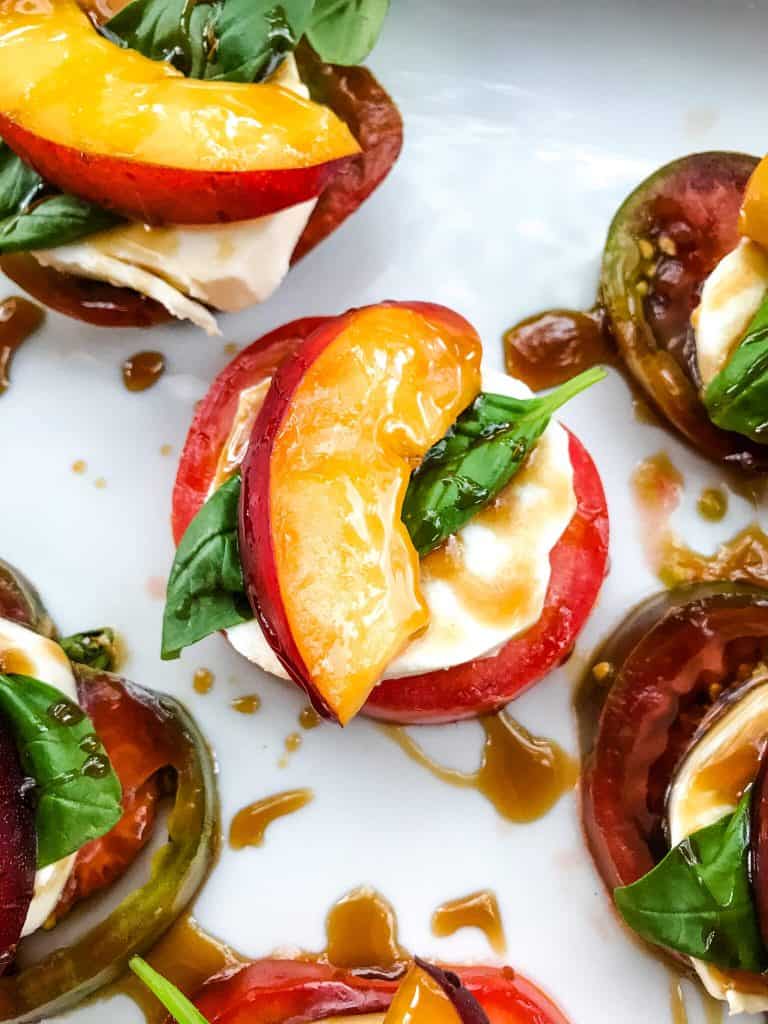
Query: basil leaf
column 97, row 648
column 698, row 899
column 477, row 458
column 345, row 31
column 78, row 794
column 231, row 40
column 737, row 397
column 206, row 591
column 19, row 184
column 182, row 1010
column 58, row 220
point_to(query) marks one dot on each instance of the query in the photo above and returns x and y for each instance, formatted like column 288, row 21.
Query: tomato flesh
column 685, row 217
column 293, row 992
column 671, row 660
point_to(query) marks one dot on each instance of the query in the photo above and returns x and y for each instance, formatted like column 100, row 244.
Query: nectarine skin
column 257, row 543
column 166, row 195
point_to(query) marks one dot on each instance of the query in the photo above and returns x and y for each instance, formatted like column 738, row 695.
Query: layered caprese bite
column 283, row 991
column 675, row 787
column 366, row 511
column 86, row 763
column 178, row 158
column 685, row 286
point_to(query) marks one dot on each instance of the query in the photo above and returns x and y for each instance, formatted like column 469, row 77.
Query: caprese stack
column 366, row 512
column 85, row 759
column 685, row 286
column 290, row 990
column 178, row 158
column 675, row 791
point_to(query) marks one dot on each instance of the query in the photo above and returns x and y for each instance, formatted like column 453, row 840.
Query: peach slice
column 753, row 216
column 430, row 995
column 135, row 136
column 330, row 570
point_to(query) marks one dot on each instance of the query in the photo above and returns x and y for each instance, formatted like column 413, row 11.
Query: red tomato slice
column 672, row 658
column 578, row 560
column 294, row 992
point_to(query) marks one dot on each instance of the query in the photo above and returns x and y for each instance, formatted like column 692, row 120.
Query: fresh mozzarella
column 707, row 786
column 731, row 296
column 225, row 266
column 27, row 653
column 489, row 582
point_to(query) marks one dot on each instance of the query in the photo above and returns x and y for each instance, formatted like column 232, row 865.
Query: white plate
column 526, row 124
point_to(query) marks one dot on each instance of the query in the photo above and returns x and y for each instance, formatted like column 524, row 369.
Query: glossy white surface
column 527, row 124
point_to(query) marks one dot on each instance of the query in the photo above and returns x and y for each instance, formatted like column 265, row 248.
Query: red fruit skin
column 578, row 566
column 166, row 195
column 294, row 992
column 759, row 844
column 213, row 417
column 255, row 533
column 18, row 849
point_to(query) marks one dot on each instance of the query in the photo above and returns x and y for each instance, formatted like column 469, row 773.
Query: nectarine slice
column 330, row 569
column 136, row 136
column 430, row 995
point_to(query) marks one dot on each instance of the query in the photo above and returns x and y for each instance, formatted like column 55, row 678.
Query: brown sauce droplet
column 249, row 825
column 100, row 483
column 15, row 662
column 142, row 370
column 18, row 319
column 523, row 776
column 79, row 466
column 166, row 449
column 202, row 680
column 548, row 349
column 187, row 957
column 658, row 488
column 248, row 704
column 478, row 910
column 677, row 1005
column 361, row 931
column 309, row 718
column 292, row 742
column 712, row 504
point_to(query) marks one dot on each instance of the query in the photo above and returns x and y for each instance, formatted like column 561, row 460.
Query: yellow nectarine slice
column 330, row 567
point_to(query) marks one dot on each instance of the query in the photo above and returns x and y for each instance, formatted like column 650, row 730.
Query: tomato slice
column 294, row 992
column 670, row 660
column 685, row 217
column 354, row 94
column 214, row 416
column 578, row 565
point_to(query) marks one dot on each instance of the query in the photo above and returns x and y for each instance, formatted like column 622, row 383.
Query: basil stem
column 182, row 1010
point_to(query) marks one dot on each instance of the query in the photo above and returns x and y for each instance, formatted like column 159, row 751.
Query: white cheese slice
column 189, row 268
column 27, row 653
column 489, row 582
column 731, row 296
column 708, row 785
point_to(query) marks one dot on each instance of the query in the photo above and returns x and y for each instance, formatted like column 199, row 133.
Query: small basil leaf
column 78, row 794
column 57, row 220
column 477, row 458
column 737, row 397
column 230, row 40
column 206, row 591
column 19, row 184
column 698, row 899
column 345, row 31
column 182, row 1010
column 96, row 648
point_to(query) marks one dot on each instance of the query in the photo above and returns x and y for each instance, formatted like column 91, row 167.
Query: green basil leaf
column 96, row 648
column 345, row 31
column 737, row 397
column 698, row 899
column 19, row 184
column 78, row 793
column 206, row 591
column 182, row 1010
column 231, row 40
column 477, row 458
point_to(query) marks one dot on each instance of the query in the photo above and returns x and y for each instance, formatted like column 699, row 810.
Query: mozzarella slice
column 731, row 296
column 488, row 583
column 27, row 653
column 709, row 785
column 225, row 266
